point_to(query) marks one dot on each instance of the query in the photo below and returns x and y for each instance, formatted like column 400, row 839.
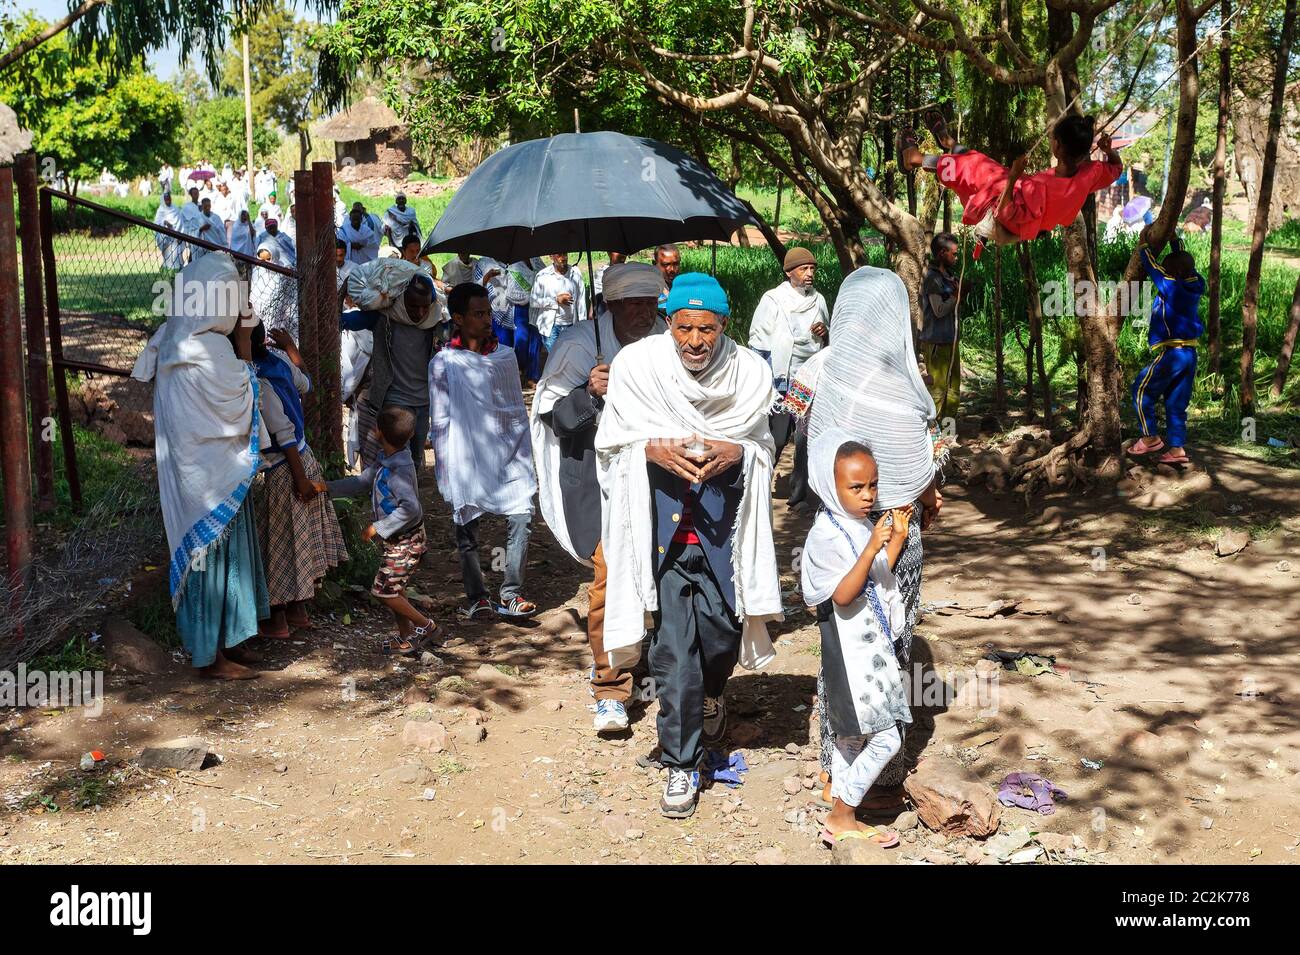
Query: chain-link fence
column 115, row 285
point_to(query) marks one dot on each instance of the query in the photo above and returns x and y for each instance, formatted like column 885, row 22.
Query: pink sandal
column 1170, row 458
column 1141, row 447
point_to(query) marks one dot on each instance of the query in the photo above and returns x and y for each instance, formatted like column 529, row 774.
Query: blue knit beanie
column 697, row 290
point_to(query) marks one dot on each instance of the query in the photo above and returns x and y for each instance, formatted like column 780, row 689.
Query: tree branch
column 20, row 50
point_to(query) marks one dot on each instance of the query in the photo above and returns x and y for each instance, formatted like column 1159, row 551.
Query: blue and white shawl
column 208, row 432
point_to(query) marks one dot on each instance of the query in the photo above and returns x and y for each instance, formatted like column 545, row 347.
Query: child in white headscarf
column 848, row 577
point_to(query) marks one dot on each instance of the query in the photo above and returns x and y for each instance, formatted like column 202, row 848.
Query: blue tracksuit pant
column 1169, row 378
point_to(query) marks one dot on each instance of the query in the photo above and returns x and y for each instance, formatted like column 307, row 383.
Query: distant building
column 369, row 141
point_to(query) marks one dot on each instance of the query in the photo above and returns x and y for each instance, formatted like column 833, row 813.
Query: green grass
column 153, row 616
column 77, row 655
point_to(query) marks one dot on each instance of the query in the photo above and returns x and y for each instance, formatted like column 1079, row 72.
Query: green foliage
column 747, row 273
column 282, row 70
column 216, row 133
column 86, row 118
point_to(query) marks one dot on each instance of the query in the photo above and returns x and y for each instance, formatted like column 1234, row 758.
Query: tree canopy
column 86, row 117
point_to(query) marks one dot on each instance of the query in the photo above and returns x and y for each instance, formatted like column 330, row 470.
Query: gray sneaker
column 681, row 792
column 715, row 721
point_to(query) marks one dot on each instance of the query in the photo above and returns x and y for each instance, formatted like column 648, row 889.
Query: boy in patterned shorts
column 398, row 523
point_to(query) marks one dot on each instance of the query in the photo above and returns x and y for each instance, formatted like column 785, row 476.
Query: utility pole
column 248, row 107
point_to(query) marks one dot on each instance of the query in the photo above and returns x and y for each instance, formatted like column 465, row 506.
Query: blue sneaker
column 611, row 716
column 681, row 793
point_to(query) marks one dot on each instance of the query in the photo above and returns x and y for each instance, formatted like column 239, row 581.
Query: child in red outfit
column 1004, row 207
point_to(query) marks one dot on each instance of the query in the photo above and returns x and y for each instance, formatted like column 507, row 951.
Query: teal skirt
column 221, row 604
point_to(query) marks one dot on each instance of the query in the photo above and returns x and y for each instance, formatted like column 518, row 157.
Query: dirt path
column 1186, row 698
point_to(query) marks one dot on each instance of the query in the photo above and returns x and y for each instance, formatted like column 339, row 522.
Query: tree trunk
column 1250, row 297
column 1000, row 380
column 1288, row 343
column 304, row 147
column 1212, row 332
column 1034, row 303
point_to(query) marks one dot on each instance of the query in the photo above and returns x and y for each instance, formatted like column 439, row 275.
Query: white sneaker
column 611, row 716
column 681, row 793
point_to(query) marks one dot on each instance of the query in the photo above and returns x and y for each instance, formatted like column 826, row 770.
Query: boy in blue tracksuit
column 1175, row 327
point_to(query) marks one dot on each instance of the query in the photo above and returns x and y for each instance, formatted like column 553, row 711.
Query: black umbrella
column 599, row 190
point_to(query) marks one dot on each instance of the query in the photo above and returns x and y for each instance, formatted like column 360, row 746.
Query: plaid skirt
column 300, row 542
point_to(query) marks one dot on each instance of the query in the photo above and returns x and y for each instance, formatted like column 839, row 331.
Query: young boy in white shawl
column 684, row 454
column 790, row 325
column 482, row 450
column 566, row 412
column 848, row 578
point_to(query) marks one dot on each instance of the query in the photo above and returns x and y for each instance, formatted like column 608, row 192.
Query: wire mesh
column 114, row 279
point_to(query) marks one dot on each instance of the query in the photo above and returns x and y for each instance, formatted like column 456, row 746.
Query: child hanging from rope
column 1002, row 206
column 1175, row 327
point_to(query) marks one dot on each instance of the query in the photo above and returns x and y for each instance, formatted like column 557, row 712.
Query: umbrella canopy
column 600, row 190
column 202, row 174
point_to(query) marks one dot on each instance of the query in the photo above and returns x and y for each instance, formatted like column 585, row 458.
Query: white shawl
column 367, row 235
column 652, row 395
column 402, row 222
column 833, row 546
column 568, row 367
column 782, row 325
column 869, row 384
column 207, row 430
column 482, row 454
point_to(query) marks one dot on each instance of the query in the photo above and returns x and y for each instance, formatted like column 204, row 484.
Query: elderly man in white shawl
column 684, row 454
column 400, row 221
column 789, row 327
column 566, row 411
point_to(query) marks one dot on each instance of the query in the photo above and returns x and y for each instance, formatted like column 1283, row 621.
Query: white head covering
column 868, row 384
column 837, row 538
column 631, row 280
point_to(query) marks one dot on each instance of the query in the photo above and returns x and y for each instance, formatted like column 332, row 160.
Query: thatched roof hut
column 369, row 140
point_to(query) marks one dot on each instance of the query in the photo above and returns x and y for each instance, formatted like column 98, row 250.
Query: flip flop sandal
column 1146, row 448
column 937, row 124
column 907, row 139
column 517, row 609
column 479, row 608
column 1170, row 458
column 880, row 838
column 273, row 634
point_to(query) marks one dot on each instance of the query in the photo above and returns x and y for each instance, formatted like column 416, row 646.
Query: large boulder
column 132, row 650
column 949, row 798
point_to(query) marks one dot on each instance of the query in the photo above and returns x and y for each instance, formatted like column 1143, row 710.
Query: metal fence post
column 14, row 462
column 328, row 385
column 38, row 377
column 66, row 437
column 304, row 206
